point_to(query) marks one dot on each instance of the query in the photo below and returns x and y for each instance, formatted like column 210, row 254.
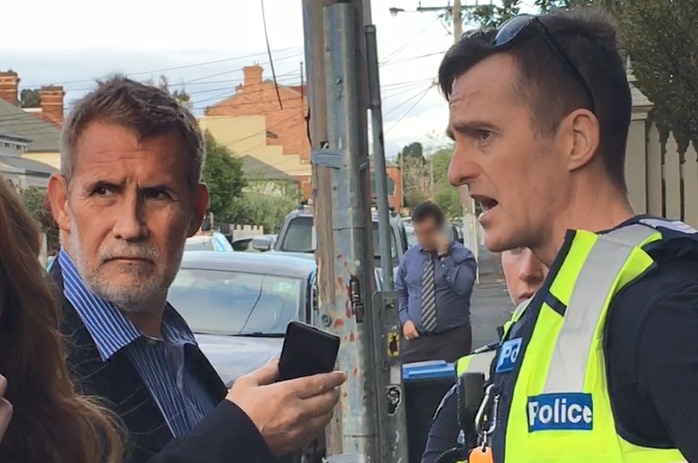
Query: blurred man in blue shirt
column 434, row 283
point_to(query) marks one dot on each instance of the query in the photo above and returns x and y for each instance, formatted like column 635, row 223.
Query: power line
column 406, row 43
column 412, row 58
column 421, row 97
column 271, row 60
column 200, row 64
column 407, row 101
column 173, row 68
column 40, row 126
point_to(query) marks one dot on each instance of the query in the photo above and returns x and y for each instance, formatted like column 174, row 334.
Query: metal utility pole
column 347, row 158
column 457, row 20
column 342, row 70
column 338, row 101
column 392, row 421
column 322, row 203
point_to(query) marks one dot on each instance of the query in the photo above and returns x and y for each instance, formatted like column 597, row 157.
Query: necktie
column 428, row 297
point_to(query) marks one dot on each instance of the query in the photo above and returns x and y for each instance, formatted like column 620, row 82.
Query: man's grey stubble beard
column 134, row 298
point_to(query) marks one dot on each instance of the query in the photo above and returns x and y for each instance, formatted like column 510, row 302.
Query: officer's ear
column 579, row 132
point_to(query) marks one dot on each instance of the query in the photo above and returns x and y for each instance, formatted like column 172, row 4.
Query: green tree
column 265, row 209
column 259, row 183
column 613, row 6
column 35, row 199
column 180, row 95
column 662, row 40
column 441, row 159
column 415, row 180
column 445, row 195
column 224, row 177
column 492, row 15
column 415, row 174
column 30, row 98
column 414, row 150
column 448, row 198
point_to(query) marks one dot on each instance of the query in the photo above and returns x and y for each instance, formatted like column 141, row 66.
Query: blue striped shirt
column 161, row 363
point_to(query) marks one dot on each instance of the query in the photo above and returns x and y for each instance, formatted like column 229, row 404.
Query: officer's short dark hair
column 588, row 36
column 428, row 210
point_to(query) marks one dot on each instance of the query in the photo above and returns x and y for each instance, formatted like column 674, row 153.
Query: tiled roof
column 29, row 165
column 254, row 168
column 15, row 122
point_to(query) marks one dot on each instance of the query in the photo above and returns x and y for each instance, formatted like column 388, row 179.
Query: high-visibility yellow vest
column 480, row 361
column 553, row 403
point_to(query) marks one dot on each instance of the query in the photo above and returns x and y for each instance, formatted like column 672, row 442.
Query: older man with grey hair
column 128, row 195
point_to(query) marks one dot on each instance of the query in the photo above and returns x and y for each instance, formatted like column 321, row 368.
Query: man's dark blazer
column 226, row 435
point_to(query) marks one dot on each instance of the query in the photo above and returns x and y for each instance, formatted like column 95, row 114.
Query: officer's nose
column 531, row 270
column 462, row 170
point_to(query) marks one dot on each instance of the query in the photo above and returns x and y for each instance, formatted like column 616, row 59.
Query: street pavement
column 490, row 304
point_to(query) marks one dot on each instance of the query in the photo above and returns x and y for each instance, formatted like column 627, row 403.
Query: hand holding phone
column 307, row 351
column 291, row 402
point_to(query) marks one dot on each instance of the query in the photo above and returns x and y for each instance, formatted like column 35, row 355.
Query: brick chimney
column 9, row 86
column 253, row 75
column 52, row 104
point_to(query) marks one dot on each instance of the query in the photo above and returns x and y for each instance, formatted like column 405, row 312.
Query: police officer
column 523, row 274
column 603, row 363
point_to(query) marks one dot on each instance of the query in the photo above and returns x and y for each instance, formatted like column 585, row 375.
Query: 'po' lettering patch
column 508, row 354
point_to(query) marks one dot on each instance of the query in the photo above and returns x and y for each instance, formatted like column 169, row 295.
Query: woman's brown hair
column 51, row 422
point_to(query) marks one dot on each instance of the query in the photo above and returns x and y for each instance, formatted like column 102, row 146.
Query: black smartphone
column 307, row 351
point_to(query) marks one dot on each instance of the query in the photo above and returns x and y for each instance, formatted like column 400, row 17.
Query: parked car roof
column 214, row 242
column 268, row 263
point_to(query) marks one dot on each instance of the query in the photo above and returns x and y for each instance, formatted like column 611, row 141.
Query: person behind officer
column 523, row 275
column 434, row 282
column 603, row 363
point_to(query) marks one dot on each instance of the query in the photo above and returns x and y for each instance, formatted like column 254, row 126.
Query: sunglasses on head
column 524, row 27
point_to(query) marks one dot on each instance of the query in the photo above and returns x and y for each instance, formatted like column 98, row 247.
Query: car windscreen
column 242, row 245
column 300, row 237
column 221, row 243
column 236, row 303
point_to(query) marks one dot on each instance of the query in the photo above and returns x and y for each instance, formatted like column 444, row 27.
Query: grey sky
column 203, row 45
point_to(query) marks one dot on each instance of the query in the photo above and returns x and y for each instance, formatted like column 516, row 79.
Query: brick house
column 395, row 178
column 392, row 171
column 284, row 126
column 39, row 126
column 52, row 98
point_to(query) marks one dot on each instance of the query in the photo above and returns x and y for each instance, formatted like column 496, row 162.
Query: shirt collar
column 424, row 251
column 108, row 327
column 433, row 253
